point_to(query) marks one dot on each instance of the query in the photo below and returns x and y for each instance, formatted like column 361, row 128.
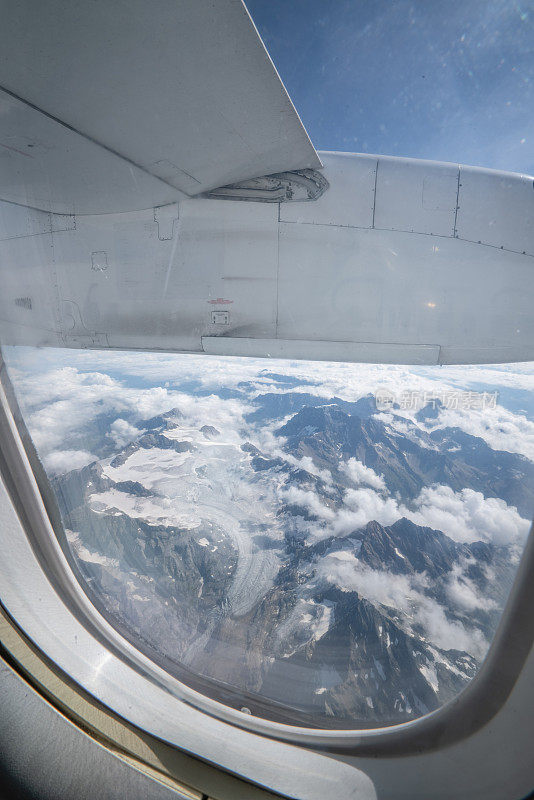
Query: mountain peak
column 430, row 411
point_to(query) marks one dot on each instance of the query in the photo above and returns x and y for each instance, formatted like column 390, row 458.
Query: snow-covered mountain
column 336, row 564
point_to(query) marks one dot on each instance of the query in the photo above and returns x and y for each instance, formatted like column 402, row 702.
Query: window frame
column 59, row 596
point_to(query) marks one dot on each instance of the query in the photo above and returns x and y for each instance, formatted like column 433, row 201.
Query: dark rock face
column 132, row 487
column 498, row 474
column 210, row 432
column 157, row 580
column 165, row 421
column 324, row 641
column 430, row 412
column 408, row 463
column 364, row 667
column 150, row 440
column 272, row 406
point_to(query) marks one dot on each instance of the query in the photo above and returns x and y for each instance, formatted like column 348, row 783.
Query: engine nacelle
column 399, row 261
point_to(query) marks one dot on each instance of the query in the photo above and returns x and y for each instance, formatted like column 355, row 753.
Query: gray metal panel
column 321, row 351
column 416, row 195
column 185, row 90
column 164, row 278
column 496, row 209
column 345, row 284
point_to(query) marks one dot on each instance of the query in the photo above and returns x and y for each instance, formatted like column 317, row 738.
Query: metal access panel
column 496, row 209
column 416, row 196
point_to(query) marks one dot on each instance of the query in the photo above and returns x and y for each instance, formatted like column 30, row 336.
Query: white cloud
column 467, row 516
column 60, row 406
column 306, row 463
column 122, row 432
column 48, row 374
column 359, row 473
column 59, row 461
column 310, row 501
column 361, row 506
column 463, row 593
column 501, row 429
column 271, row 446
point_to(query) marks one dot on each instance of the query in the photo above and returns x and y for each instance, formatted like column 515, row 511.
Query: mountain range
column 233, row 558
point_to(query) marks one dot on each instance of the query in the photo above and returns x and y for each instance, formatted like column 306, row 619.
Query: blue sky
column 453, row 80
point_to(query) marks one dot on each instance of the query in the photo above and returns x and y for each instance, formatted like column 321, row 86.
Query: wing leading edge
column 179, row 95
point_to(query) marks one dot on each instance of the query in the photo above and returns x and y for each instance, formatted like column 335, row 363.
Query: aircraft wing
column 128, row 131
column 123, row 105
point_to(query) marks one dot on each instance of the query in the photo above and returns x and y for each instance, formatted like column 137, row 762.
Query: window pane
column 323, row 543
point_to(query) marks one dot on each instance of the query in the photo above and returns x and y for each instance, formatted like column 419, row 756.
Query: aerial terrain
column 280, row 531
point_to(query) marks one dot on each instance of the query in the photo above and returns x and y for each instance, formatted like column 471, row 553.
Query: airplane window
column 321, row 543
